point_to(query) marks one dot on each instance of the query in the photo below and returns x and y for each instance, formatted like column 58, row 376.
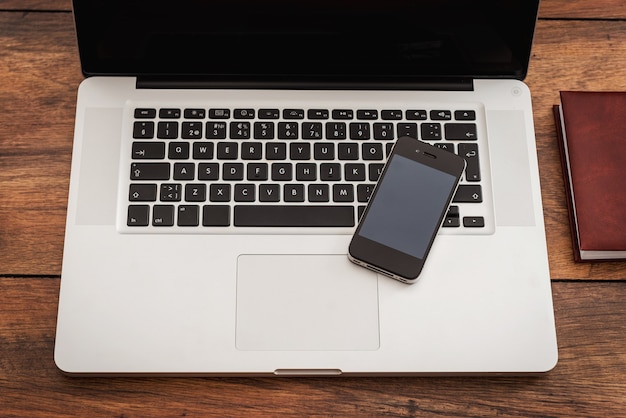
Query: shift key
column 150, row 171
column 468, row 193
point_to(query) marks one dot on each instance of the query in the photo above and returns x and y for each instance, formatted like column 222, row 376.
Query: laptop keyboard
column 225, row 169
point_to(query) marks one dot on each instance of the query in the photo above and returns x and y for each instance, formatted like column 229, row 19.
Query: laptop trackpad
column 305, row 302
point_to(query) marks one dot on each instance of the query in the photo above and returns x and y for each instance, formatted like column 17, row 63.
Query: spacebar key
column 266, row 215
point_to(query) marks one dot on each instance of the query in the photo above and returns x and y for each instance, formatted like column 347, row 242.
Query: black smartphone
column 406, row 209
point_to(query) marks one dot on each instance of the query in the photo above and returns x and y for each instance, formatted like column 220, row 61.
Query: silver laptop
column 224, row 152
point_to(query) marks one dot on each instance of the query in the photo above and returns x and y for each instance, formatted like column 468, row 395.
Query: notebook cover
column 594, row 129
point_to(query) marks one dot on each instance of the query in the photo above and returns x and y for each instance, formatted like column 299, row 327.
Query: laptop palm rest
column 305, row 302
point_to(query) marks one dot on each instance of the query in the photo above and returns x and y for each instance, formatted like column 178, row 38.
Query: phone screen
column 406, row 210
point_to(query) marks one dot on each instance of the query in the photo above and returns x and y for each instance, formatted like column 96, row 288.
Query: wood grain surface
column 579, row 45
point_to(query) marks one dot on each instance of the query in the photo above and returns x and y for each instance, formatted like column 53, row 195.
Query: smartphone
column 406, row 209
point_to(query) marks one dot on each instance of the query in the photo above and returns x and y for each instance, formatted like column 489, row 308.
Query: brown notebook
column 592, row 138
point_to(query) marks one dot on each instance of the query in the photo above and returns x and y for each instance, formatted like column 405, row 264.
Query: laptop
column 223, row 153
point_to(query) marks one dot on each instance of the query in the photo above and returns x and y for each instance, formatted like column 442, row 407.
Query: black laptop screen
column 382, row 39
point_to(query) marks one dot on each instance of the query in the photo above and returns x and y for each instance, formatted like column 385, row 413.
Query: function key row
column 338, row 114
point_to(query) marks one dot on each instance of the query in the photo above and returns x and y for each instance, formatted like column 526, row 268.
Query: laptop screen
column 392, row 40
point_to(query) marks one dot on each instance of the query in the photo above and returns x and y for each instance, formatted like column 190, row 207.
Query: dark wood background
column 579, row 45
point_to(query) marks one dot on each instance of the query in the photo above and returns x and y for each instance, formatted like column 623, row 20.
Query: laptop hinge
column 441, row 84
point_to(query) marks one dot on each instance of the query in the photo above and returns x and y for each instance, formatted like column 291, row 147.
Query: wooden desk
column 579, row 45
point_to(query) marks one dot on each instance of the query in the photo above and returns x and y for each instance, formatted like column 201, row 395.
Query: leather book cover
column 593, row 145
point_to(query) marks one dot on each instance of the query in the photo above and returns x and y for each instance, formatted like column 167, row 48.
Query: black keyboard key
column 306, row 172
column 345, row 114
column 163, row 215
column 354, row 172
column 171, row 192
column 300, row 151
column 335, row 130
column 269, row 193
column 460, row 131
column 195, row 192
column 473, row 221
column 343, row 193
column 468, row 193
column 215, row 215
column 383, row 131
column 269, row 114
column 282, row 172
column 431, row 131
column 194, row 113
column 287, row 130
column 293, row 114
column 148, row 150
column 374, row 171
column 452, row 218
column 440, row 115
column 330, row 172
column 150, row 171
column 245, row 193
column 251, row 150
column 138, row 215
column 233, row 171
column 219, row 193
column 188, row 215
column 465, row 115
column 324, row 151
column 359, row 130
column 407, row 129
column 416, row 114
column 227, row 150
column 294, row 216
column 219, row 113
column 142, row 193
column 202, row 150
column 312, row 130
column 391, row 114
column 216, row 130
column 470, row 153
column 364, row 192
column 184, row 171
column 276, row 151
column 178, row 150
column 143, row 130
column 240, row 130
column 256, row 172
column 243, row 113
column 367, row 114
column 348, row 151
column 191, row 130
column 167, row 130
column 448, row 146
column 317, row 114
column 145, row 113
column 293, row 192
column 319, row 193
column 169, row 113
column 373, row 151
column 208, row 171
column 263, row 130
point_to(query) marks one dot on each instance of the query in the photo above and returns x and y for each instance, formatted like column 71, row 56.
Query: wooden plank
column 40, row 74
column 36, row 5
column 596, row 9
column 588, row 381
